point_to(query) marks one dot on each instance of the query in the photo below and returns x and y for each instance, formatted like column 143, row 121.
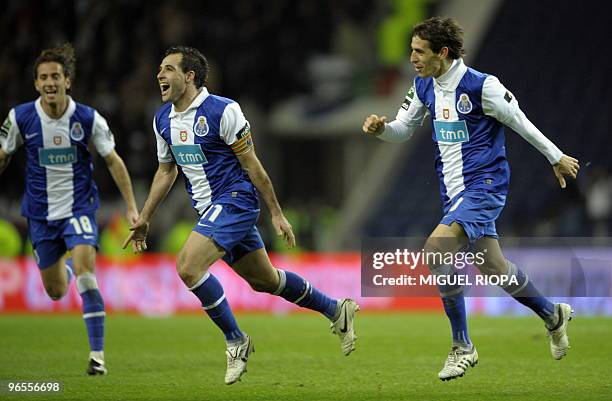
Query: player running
column 469, row 110
column 210, row 140
column 61, row 197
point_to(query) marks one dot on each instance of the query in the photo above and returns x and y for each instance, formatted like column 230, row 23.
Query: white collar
column 47, row 118
column 199, row 99
column 450, row 79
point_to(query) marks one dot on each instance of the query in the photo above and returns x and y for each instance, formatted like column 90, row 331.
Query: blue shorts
column 51, row 239
column 476, row 212
column 230, row 222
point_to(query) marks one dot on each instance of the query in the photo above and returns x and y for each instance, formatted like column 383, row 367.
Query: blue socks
column 295, row 289
column 93, row 310
column 292, row 287
column 527, row 294
column 454, row 306
column 210, row 292
column 524, row 292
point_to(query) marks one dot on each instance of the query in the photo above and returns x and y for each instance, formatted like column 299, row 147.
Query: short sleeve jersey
column 59, row 169
column 204, row 141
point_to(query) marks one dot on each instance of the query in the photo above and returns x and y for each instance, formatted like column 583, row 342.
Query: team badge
column 446, row 114
column 76, row 132
column 57, row 140
column 201, row 127
column 464, row 105
column 183, row 136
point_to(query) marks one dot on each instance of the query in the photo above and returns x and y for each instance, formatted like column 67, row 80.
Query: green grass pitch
column 296, row 358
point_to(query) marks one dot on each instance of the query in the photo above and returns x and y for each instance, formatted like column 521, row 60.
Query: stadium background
column 306, row 74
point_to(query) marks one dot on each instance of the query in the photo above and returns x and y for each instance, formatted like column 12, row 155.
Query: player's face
column 51, row 83
column 425, row 61
column 171, row 78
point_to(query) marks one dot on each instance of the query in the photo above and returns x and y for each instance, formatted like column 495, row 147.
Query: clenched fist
column 374, row 125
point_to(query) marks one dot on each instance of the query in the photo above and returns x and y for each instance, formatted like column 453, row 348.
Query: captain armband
column 244, row 141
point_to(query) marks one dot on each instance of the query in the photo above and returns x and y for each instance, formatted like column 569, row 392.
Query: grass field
column 398, row 357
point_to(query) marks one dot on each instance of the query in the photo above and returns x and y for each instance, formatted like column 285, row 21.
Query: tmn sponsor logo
column 186, row 155
column 57, row 156
column 451, row 131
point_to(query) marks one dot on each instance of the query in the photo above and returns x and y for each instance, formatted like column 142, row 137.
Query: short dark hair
column 441, row 32
column 193, row 60
column 63, row 55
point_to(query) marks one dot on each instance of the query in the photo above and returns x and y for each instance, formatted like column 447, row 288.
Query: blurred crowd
column 257, row 50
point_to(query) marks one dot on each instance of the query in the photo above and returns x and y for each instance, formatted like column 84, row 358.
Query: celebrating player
column 61, row 196
column 469, row 110
column 208, row 137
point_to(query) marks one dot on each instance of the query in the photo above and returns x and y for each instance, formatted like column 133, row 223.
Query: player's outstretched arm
column 262, row 182
column 5, row 159
column 397, row 131
column 566, row 167
column 120, row 175
column 501, row 104
column 162, row 182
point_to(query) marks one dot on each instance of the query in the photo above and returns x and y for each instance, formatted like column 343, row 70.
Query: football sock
column 93, row 310
column 454, row 306
column 97, row 355
column 295, row 289
column 526, row 293
column 210, row 292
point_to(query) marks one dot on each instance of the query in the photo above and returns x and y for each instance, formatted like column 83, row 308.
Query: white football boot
column 344, row 327
column 237, row 358
column 559, row 342
column 96, row 367
column 457, row 363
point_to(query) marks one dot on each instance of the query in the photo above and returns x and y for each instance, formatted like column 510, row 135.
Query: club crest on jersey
column 464, row 105
column 57, row 140
column 183, row 136
column 76, row 132
column 201, row 127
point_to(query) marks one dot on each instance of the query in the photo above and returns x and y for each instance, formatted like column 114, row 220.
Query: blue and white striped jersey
column 470, row 145
column 59, row 169
column 469, row 110
column 203, row 141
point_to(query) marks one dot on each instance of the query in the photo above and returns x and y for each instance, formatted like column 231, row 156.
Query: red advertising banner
column 150, row 285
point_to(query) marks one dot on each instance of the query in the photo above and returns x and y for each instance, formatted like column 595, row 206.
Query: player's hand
column 282, row 227
column 138, row 236
column 567, row 167
column 374, row 125
column 132, row 216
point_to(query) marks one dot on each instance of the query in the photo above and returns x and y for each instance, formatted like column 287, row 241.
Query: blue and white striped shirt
column 59, row 168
